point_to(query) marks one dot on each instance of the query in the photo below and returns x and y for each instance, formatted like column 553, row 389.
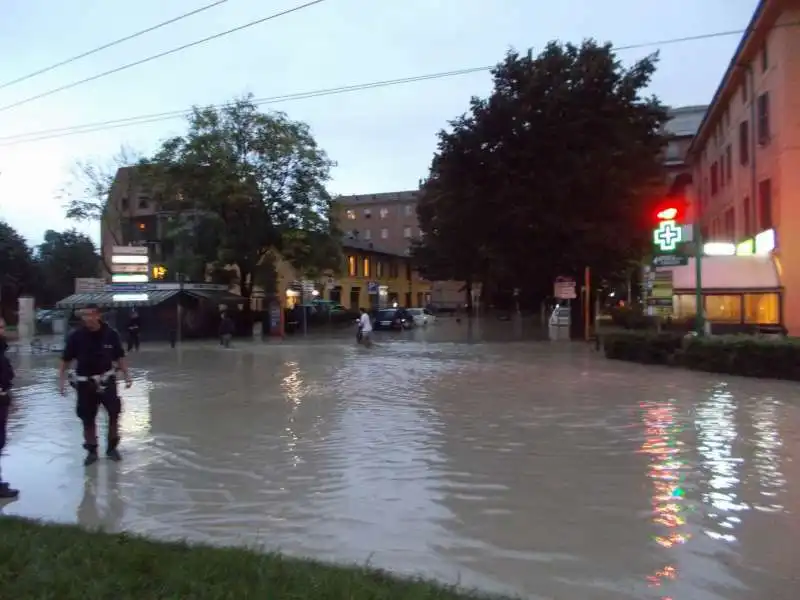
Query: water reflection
column 766, row 458
column 667, row 473
column 715, row 422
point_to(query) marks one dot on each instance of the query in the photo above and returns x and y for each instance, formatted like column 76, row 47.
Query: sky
column 382, row 139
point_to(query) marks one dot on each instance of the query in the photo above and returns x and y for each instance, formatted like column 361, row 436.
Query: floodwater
column 535, row 468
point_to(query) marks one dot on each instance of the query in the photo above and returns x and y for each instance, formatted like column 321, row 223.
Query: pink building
column 745, row 158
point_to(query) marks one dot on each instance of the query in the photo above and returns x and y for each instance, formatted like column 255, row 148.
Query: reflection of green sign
column 667, row 236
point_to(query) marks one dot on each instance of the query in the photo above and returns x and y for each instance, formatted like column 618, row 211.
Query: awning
column 217, row 296
column 106, row 299
column 728, row 273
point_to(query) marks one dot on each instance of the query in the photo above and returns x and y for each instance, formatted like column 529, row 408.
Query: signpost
column 564, row 288
column 130, row 272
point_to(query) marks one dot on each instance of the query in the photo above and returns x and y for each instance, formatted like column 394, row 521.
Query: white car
column 422, row 316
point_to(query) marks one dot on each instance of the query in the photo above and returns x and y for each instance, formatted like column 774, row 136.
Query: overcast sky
column 382, row 139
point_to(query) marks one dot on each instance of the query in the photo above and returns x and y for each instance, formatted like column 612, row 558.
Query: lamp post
column 700, row 321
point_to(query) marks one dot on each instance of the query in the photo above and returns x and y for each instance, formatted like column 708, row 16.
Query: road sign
column 129, row 287
column 373, row 287
column 564, row 288
column 89, row 285
column 131, row 269
column 667, row 236
column 670, row 260
column 129, row 250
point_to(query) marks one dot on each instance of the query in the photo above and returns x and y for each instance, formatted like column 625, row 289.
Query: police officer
column 97, row 351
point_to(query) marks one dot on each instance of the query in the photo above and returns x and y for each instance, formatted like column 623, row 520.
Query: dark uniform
column 95, row 353
column 6, row 379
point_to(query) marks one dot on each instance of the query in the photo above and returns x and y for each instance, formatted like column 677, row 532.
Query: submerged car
column 422, row 316
column 393, row 318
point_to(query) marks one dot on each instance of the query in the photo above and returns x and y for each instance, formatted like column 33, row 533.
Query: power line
column 47, row 134
column 161, row 55
column 111, row 44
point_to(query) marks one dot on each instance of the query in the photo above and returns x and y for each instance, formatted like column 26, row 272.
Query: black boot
column 91, row 454
column 7, row 493
column 111, row 452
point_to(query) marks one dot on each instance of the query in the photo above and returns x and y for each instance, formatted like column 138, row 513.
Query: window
column 763, row 119
column 407, row 232
column 394, row 271
column 409, row 210
column 748, row 217
column 724, row 308
column 685, row 306
column 355, row 293
column 367, row 234
column 765, row 204
column 714, row 179
column 764, row 58
column 124, row 204
column 744, row 142
column 367, row 213
column 380, row 271
column 762, row 309
column 729, row 163
column 722, row 171
column 384, row 213
column 351, row 266
column 365, row 267
column 351, row 214
column 730, row 225
column 384, row 234
column 143, row 203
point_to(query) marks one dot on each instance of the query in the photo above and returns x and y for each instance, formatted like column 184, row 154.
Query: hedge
column 748, row 356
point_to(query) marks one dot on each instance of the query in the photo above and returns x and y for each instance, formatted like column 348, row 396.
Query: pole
column 587, row 300
column 303, row 308
column 178, row 328
column 700, row 321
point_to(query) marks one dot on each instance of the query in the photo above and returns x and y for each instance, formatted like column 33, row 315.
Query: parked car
column 422, row 316
column 393, row 318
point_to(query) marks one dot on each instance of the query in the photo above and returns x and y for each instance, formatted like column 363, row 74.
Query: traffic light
column 159, row 272
column 670, row 213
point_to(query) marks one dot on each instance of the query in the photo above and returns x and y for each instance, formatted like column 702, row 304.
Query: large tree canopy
column 549, row 174
column 17, row 269
column 250, row 182
column 62, row 257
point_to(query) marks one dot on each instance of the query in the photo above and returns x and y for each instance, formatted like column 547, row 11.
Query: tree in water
column 553, row 172
column 253, row 183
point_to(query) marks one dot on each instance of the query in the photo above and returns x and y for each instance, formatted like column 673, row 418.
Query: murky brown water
column 525, row 467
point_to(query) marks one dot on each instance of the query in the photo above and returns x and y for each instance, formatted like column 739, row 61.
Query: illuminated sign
column 765, row 242
column 746, row 248
column 667, row 214
column 667, row 236
column 719, row 249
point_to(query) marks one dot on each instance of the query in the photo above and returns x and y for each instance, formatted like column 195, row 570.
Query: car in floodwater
column 397, row 319
column 422, row 316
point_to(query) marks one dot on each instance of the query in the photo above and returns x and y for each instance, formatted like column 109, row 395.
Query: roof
column 723, row 273
column 367, row 246
column 762, row 18
column 685, row 121
column 106, row 299
column 381, row 198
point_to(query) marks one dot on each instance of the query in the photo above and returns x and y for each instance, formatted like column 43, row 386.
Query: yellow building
column 370, row 277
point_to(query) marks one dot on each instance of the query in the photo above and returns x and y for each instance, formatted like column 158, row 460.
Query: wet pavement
column 522, row 466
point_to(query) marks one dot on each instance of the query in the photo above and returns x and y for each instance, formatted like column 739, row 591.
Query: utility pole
column 700, row 321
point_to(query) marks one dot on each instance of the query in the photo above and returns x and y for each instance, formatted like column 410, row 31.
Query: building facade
column 387, row 219
column 683, row 124
column 745, row 158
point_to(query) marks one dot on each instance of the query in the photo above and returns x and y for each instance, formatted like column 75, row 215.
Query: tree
column 17, row 270
column 554, row 171
column 62, row 257
column 85, row 196
column 253, row 183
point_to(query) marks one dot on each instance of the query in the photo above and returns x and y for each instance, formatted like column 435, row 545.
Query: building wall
column 758, row 187
column 388, row 219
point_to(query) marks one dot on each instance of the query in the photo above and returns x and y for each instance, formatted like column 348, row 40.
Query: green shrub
column 777, row 358
column 643, row 347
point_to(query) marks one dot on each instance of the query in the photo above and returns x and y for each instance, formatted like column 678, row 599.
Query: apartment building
column 388, row 219
column 684, row 121
column 745, row 158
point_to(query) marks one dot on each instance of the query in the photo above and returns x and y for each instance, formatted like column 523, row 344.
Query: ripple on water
column 540, row 466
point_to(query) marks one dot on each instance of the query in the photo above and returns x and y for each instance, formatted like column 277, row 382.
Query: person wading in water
column 134, row 325
column 97, row 351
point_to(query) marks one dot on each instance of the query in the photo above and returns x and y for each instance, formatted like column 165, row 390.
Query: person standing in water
column 97, row 351
column 134, row 326
column 6, row 380
column 364, row 335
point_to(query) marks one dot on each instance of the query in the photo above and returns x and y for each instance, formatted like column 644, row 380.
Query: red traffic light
column 667, row 214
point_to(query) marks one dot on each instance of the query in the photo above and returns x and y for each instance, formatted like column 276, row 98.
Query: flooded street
column 523, row 466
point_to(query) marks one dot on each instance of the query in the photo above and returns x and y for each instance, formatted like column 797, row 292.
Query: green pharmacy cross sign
column 667, row 236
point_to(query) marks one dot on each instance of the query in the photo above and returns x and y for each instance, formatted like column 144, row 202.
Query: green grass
column 58, row 562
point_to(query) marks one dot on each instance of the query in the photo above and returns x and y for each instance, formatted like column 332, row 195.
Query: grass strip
column 41, row 561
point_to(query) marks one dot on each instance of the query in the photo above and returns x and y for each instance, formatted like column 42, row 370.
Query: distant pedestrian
column 97, row 351
column 364, row 335
column 226, row 329
column 6, row 380
column 134, row 328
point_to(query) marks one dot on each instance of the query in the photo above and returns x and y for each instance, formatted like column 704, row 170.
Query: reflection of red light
column 668, row 214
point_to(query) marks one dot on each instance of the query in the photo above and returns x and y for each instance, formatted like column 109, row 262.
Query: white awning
column 722, row 273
